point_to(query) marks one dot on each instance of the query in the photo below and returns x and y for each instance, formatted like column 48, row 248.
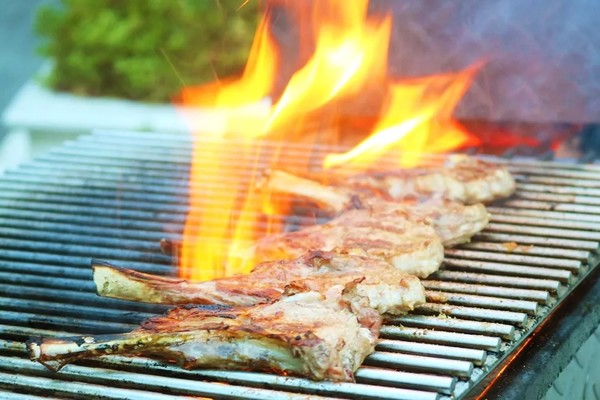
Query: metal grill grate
column 114, row 195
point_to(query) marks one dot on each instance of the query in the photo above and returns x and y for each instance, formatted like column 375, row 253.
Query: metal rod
column 547, row 262
column 442, row 337
column 71, row 249
column 546, row 232
column 76, row 297
column 42, row 281
column 552, row 181
column 483, row 314
column 551, row 223
column 502, row 280
column 71, row 310
column 530, row 307
column 475, row 356
column 78, row 389
column 561, row 198
column 25, row 332
column 79, row 325
column 454, row 325
column 19, row 224
column 561, row 173
column 517, row 270
column 574, row 190
column 38, row 219
column 527, row 294
column 98, row 189
column 515, row 248
column 91, row 376
column 6, row 395
column 536, row 240
column 50, row 271
column 552, row 215
column 115, row 243
column 388, row 377
column 567, row 164
column 544, row 205
column 421, row 382
column 84, row 262
column 409, row 362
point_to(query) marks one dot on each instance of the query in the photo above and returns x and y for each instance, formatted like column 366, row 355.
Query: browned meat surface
column 413, row 248
column 303, row 335
column 386, row 289
column 454, row 222
column 462, row 178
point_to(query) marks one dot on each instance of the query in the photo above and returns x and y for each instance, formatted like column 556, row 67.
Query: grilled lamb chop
column 387, row 289
column 302, row 334
column 462, row 178
column 454, row 222
column 413, row 248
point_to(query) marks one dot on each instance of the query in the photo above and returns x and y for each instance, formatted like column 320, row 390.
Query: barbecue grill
column 114, row 195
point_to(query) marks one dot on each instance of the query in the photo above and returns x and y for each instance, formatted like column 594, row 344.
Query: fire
column 416, row 119
column 348, row 61
column 213, row 219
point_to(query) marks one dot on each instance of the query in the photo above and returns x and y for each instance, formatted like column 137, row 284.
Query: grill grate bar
column 477, row 357
column 554, row 172
column 514, row 248
column 442, row 337
column 552, row 181
column 71, row 310
column 441, row 383
column 80, row 390
column 142, row 381
column 574, row 190
column 455, row 325
column 495, row 291
column 530, row 307
column 554, row 197
column 537, row 240
column 71, row 249
column 4, row 395
column 79, row 325
column 73, row 297
column 517, row 270
column 503, row 280
column 420, row 363
column 561, row 233
column 532, row 221
column 554, row 215
column 21, row 227
column 545, row 205
column 483, row 314
column 573, row 265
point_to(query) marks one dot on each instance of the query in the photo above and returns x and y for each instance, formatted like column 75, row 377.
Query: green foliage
column 144, row 49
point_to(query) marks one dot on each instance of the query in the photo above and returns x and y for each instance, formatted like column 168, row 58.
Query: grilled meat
column 413, row 248
column 462, row 178
column 303, row 335
column 454, row 222
column 386, row 289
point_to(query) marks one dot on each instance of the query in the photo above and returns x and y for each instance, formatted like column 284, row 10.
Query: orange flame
column 417, row 118
column 213, row 219
column 349, row 60
column 348, row 55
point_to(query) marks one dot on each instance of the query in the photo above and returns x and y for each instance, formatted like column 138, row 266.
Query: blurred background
column 18, row 58
column 128, row 60
column 71, row 66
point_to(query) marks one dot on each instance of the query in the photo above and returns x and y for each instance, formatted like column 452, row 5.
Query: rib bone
column 303, row 335
column 386, row 289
